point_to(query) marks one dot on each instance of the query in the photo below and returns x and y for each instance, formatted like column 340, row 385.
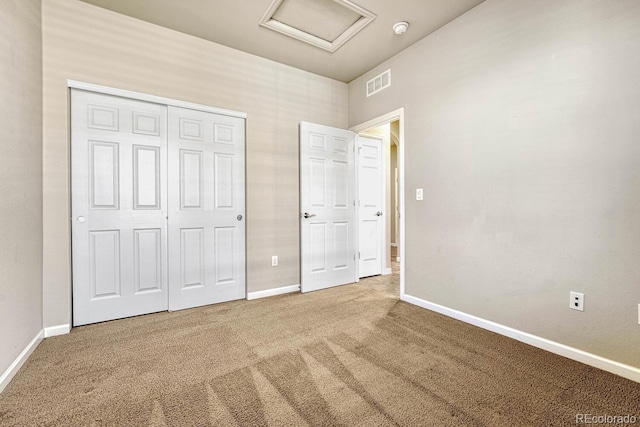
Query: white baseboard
column 387, row 271
column 13, row 369
column 626, row 371
column 53, row 331
column 273, row 292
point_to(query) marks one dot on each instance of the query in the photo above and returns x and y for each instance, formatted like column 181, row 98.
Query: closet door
column 206, row 208
column 119, row 207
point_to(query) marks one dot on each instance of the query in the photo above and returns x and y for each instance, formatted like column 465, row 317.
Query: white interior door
column 327, row 204
column 119, row 232
column 206, row 208
column 370, row 201
column 396, row 207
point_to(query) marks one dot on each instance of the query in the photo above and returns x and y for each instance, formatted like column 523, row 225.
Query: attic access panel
column 327, row 24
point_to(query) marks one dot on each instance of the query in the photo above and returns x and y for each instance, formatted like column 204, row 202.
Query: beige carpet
column 347, row 356
column 387, row 283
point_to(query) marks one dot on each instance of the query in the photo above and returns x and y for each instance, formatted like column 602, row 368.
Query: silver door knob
column 378, row 213
column 81, row 219
column 308, row 215
column 239, row 217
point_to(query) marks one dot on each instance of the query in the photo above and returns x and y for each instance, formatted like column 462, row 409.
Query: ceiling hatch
column 327, row 24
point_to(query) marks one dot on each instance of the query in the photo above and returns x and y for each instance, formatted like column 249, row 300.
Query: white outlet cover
column 419, row 194
column 576, row 301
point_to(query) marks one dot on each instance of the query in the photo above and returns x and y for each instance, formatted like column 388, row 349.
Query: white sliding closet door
column 158, row 205
column 206, row 208
column 119, row 207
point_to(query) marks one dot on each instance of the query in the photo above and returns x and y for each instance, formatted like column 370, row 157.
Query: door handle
column 378, row 213
column 308, row 215
column 81, row 219
column 239, row 217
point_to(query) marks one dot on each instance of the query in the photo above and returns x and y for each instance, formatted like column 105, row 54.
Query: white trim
column 626, row 371
column 123, row 93
column 53, row 331
column 356, row 205
column 13, row 369
column 272, row 292
column 379, row 121
column 387, row 271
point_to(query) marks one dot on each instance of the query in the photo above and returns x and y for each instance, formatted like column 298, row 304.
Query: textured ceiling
column 235, row 23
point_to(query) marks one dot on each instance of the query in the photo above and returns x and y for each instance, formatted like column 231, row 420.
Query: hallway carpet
column 347, row 356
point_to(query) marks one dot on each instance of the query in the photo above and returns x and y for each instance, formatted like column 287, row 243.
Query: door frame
column 379, row 121
column 138, row 96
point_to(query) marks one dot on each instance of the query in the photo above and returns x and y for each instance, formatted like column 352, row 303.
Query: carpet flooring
column 346, row 356
column 387, row 283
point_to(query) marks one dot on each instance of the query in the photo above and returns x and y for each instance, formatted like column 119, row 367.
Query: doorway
column 327, row 191
column 391, row 127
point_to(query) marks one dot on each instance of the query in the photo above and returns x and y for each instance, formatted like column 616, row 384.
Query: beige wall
column 20, row 177
column 86, row 43
column 522, row 124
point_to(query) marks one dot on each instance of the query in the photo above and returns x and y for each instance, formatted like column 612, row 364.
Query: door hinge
column 359, row 256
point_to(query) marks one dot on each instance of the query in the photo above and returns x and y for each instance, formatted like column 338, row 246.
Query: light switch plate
column 419, row 194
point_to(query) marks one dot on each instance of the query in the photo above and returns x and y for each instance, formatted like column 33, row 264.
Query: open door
column 371, row 223
column 327, row 207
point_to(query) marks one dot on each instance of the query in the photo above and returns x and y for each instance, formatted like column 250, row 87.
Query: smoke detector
column 400, row 27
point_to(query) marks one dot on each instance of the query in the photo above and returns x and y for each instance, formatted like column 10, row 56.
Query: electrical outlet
column 576, row 301
column 419, row 194
column 274, row 261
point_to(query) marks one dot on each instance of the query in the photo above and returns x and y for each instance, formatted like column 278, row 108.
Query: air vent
column 379, row 82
